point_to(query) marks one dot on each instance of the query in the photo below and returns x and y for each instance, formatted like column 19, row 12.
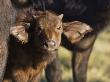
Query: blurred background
column 99, row 63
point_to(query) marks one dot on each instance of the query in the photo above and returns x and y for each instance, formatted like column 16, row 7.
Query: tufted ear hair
column 75, row 31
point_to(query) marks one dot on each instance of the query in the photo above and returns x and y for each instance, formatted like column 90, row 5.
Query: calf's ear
column 75, row 31
column 19, row 32
column 60, row 16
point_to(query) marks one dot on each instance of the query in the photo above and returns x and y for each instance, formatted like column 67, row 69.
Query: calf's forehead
column 49, row 20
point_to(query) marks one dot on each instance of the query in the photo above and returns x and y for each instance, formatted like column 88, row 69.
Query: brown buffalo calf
column 26, row 62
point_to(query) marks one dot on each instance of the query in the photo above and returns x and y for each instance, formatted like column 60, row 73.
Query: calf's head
column 49, row 29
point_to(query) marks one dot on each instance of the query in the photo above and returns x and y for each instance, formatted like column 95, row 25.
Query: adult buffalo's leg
column 80, row 58
column 53, row 71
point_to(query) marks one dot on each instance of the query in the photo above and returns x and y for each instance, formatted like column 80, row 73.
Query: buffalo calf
column 43, row 36
column 26, row 62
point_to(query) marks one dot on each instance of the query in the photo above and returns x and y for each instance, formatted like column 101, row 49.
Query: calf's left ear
column 75, row 31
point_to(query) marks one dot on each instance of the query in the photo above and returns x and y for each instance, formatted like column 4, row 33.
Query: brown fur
column 26, row 62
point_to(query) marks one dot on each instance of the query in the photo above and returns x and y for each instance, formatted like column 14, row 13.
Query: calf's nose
column 50, row 44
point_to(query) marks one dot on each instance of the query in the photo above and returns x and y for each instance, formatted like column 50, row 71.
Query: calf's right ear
column 20, row 33
column 75, row 31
